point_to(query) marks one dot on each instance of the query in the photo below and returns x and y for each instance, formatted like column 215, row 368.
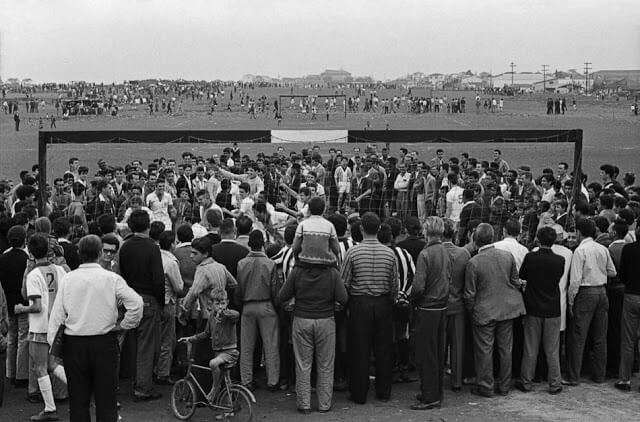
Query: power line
column 586, row 76
column 544, row 76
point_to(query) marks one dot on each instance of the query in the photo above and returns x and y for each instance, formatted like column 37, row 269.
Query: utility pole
column 512, row 66
column 586, row 76
column 544, row 77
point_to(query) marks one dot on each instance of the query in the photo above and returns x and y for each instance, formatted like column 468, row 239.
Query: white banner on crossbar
column 313, row 136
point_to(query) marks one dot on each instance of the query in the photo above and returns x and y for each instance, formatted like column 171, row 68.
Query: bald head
column 483, row 234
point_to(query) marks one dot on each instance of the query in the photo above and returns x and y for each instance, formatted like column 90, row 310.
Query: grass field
column 611, row 133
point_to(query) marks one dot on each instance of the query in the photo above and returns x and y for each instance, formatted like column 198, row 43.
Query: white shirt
column 87, row 303
column 160, row 208
column 43, row 283
column 454, row 203
column 590, row 266
column 512, row 246
column 402, row 182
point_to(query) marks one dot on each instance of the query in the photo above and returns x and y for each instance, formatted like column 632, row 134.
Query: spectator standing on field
column 370, row 274
column 542, row 270
column 86, row 305
column 141, row 267
column 493, row 298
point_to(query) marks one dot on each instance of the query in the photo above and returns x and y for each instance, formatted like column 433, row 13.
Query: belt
column 593, row 287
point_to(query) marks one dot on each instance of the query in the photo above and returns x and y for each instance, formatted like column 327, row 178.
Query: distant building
column 617, row 80
column 518, row 80
column 331, row 76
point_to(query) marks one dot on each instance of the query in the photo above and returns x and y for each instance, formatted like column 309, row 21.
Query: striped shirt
column 345, row 243
column 370, row 269
column 406, row 268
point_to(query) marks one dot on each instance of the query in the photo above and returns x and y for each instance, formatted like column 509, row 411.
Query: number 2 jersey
column 42, row 282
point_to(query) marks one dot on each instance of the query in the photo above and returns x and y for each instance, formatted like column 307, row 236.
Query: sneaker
column 45, row 416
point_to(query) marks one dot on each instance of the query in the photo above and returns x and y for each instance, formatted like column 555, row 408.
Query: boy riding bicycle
column 221, row 329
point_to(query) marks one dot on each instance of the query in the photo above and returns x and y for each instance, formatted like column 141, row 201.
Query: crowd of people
column 328, row 269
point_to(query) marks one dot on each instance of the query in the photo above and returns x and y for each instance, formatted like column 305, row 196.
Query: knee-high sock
column 47, row 393
column 60, row 374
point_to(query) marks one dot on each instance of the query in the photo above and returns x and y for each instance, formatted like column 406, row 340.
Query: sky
column 116, row 40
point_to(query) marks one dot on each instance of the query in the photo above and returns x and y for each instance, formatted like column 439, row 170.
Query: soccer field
column 611, row 132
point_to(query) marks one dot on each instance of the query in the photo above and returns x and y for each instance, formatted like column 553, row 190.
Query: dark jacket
column 492, row 287
column 459, row 258
column 315, row 289
column 471, row 211
column 542, row 270
column 141, row 266
column 414, row 245
column 229, row 254
column 430, row 288
column 12, row 268
column 630, row 268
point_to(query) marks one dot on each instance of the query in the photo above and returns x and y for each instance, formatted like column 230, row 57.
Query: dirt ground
column 585, row 403
column 611, row 133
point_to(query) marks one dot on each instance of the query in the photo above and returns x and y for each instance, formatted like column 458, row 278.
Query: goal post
column 294, row 96
column 206, row 138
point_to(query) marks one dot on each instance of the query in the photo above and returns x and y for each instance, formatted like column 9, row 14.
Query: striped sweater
column 370, row 269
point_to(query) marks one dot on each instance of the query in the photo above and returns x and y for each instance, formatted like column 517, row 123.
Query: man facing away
column 141, row 267
column 430, row 292
column 370, row 274
column 492, row 296
column 86, row 305
column 588, row 302
column 542, row 270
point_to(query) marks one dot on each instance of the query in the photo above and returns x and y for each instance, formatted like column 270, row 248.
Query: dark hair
column 139, row 221
column 620, row 202
column 184, row 233
column 620, row 228
column 468, row 194
column 356, row 231
column 396, row 226
column 39, row 245
column 16, row 236
column 166, row 239
column 586, row 227
column 413, row 225
column 449, row 229
column 202, row 245
column 316, row 205
column 24, row 191
column 384, row 233
column 243, row 225
column 602, row 223
column 581, row 207
column 245, row 187
column 107, row 223
column 290, row 234
column 606, row 201
column 111, row 239
column 512, row 227
column 155, row 229
column 627, row 215
column 546, row 236
column 256, row 240
column 609, row 170
column 61, row 226
column 227, row 226
column 370, row 223
column 339, row 222
column 20, row 219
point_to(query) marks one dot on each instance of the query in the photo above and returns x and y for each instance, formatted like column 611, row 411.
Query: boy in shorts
column 221, row 330
column 42, row 286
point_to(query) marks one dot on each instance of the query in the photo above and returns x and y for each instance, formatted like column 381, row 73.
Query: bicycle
column 233, row 401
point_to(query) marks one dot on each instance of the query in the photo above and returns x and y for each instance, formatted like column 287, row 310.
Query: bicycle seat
column 227, row 365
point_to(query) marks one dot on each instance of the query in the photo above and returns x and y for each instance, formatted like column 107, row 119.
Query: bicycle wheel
column 236, row 408
column 183, row 399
